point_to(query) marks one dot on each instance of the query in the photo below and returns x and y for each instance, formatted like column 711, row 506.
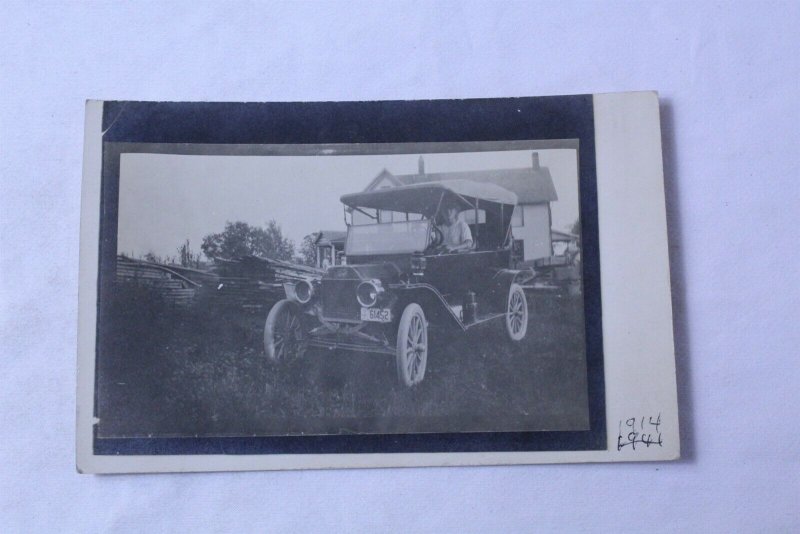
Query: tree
column 241, row 239
column 308, row 251
column 188, row 257
column 155, row 258
column 152, row 258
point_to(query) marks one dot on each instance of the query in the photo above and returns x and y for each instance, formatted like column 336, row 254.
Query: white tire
column 412, row 346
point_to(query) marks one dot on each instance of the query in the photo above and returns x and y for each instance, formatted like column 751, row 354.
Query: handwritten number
column 647, row 433
column 657, row 422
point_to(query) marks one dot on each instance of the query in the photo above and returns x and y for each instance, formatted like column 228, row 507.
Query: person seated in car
column 456, row 232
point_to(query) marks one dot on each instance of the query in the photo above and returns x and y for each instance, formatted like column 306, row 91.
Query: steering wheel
column 437, row 237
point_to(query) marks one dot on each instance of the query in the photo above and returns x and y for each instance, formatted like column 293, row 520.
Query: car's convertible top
column 427, row 197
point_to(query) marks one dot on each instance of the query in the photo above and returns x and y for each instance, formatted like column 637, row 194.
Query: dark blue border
column 529, row 118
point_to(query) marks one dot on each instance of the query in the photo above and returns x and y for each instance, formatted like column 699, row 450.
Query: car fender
column 434, row 305
column 496, row 294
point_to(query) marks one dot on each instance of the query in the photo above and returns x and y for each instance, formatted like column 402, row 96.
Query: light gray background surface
column 728, row 75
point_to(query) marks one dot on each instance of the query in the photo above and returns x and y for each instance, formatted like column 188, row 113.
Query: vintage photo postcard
column 371, row 284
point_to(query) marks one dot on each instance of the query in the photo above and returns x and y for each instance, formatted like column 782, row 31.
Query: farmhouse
column 329, row 247
column 532, row 219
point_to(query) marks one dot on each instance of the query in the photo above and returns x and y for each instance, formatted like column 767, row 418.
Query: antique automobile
column 401, row 282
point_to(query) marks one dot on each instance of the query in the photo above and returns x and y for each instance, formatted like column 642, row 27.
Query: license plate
column 378, row 315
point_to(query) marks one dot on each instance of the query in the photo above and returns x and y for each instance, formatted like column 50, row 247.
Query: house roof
column 383, row 175
column 330, row 237
column 558, row 235
column 531, row 185
column 427, row 197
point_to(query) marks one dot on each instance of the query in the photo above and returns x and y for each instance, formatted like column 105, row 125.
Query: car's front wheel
column 284, row 337
column 412, row 345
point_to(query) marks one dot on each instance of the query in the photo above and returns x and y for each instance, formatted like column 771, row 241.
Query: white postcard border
column 639, row 361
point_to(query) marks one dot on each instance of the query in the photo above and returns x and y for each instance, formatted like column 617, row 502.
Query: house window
column 517, row 219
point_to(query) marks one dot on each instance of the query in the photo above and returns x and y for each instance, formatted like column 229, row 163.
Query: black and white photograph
column 397, row 292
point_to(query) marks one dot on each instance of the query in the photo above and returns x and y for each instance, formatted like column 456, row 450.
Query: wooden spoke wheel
column 284, row 337
column 516, row 318
column 412, row 346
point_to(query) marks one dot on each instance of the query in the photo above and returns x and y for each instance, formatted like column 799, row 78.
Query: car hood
column 382, row 271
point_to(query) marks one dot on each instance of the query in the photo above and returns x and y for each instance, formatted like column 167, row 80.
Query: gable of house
column 532, row 186
column 382, row 180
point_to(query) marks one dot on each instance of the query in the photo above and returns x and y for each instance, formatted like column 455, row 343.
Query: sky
column 165, row 199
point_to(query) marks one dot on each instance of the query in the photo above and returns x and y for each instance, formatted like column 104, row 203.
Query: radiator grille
column 339, row 299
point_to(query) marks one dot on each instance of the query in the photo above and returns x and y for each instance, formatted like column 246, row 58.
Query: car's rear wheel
column 412, row 346
column 284, row 337
column 516, row 317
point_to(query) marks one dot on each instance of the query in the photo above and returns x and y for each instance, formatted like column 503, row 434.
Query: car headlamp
column 303, row 290
column 368, row 292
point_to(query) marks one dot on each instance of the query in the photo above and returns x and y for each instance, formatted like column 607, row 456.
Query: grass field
column 202, row 371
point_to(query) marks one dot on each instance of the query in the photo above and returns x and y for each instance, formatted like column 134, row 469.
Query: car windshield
column 402, row 237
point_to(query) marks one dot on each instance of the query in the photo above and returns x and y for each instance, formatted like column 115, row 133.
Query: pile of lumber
column 244, row 294
column 174, row 287
column 250, row 283
column 254, row 284
column 264, row 269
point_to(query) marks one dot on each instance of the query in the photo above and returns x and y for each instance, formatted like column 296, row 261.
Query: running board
column 334, row 345
column 483, row 319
